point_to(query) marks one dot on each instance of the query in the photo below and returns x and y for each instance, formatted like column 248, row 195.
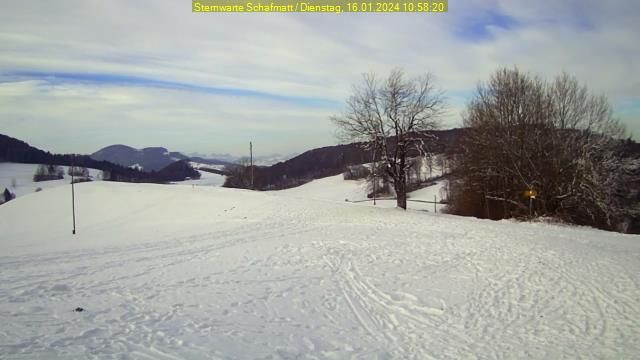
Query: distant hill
column 18, row 151
column 147, row 159
column 177, row 171
column 227, row 159
column 207, row 161
column 333, row 160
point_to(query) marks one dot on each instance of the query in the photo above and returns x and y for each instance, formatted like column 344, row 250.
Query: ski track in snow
column 276, row 277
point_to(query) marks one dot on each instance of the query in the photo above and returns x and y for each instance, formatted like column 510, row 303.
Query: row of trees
column 525, row 137
column 48, row 172
column 56, row 172
column 534, row 147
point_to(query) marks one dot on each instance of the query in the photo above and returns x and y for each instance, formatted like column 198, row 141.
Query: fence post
column 435, row 204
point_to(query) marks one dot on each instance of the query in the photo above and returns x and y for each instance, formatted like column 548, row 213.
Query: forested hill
column 14, row 150
column 332, row 160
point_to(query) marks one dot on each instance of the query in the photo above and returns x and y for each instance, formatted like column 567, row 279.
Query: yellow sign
column 320, row 6
column 530, row 193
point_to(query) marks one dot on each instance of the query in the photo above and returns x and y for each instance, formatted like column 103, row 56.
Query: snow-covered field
column 334, row 188
column 167, row 272
column 23, row 176
column 206, row 179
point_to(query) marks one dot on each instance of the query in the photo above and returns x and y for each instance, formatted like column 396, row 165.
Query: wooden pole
column 375, row 180
column 251, row 161
column 435, row 204
column 73, row 194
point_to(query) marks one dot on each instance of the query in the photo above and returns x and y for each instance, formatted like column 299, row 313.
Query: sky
column 76, row 76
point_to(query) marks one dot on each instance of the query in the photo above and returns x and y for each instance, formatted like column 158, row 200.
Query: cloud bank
column 76, row 76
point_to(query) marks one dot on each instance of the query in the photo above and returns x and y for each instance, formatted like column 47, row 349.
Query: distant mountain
column 147, row 159
column 272, row 159
column 18, row 151
column 206, row 161
column 226, row 159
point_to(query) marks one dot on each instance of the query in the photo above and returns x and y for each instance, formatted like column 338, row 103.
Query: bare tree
column 554, row 140
column 392, row 116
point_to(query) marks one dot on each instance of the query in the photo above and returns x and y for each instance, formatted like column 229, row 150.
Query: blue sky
column 77, row 76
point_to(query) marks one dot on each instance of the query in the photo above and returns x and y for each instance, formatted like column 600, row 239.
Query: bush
column 80, row 171
column 7, row 195
column 48, row 172
column 356, row 172
column 81, row 180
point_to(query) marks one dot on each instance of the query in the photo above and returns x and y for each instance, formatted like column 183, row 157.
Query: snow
column 188, row 272
column 23, row 175
column 335, row 188
column 206, row 179
column 197, row 165
column 137, row 166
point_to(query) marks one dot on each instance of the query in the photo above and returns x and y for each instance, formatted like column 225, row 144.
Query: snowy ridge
column 187, row 272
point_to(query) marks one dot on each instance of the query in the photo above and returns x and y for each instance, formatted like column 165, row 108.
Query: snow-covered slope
column 167, row 272
column 335, row 188
column 23, row 175
column 206, row 179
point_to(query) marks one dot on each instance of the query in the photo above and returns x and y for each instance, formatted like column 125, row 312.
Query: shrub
column 48, row 172
column 356, row 172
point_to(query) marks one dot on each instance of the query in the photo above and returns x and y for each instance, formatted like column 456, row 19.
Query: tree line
column 530, row 147
column 545, row 148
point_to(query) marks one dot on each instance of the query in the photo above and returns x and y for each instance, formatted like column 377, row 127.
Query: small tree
column 41, row 174
column 378, row 181
column 392, row 117
column 41, row 170
column 7, row 195
column 79, row 171
column 356, row 172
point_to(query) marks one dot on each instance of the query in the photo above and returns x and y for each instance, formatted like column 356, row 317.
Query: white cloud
column 292, row 55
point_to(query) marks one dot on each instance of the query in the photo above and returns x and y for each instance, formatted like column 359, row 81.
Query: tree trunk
column 400, row 185
column 400, row 181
